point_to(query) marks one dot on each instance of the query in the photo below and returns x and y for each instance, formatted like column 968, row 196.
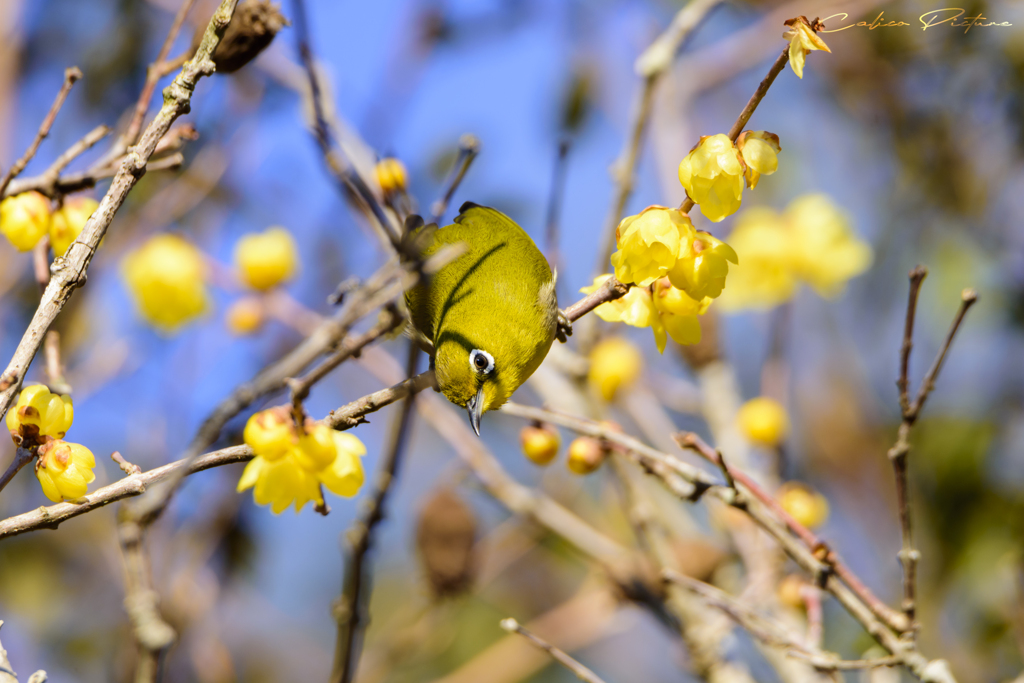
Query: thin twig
column 154, row 73
column 917, row 276
column 7, row 674
column 551, row 238
column 748, row 110
column 69, row 271
column 70, row 76
column 581, row 672
column 651, row 66
column 899, row 452
column 891, row 617
column 348, row 608
column 22, row 457
column 84, row 144
column 469, row 147
column 55, row 379
column 337, row 163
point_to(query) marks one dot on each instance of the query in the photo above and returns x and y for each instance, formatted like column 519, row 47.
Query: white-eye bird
column 491, row 314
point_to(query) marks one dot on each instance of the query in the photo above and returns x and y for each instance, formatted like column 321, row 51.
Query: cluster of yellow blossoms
column 811, row 242
column 167, row 278
column 291, row 464
column 40, row 420
column 676, row 270
column 716, row 170
column 26, row 218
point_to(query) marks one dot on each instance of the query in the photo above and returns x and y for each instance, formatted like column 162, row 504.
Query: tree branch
column 582, row 672
column 69, row 272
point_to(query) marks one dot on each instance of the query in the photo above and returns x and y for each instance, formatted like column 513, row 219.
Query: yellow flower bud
column 824, row 250
column 760, row 151
column 265, row 260
column 790, row 591
column 166, row 277
column 802, row 39
column 585, row 455
column 806, row 506
column 245, row 316
column 614, row 363
column 650, row 243
column 37, row 414
column 64, row 470
column 67, row 223
column 763, row 421
column 712, row 174
column 540, row 443
column 271, row 433
column 24, row 219
column 391, row 175
column 701, row 270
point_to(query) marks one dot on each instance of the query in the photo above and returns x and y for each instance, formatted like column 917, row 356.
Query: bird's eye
column 481, row 362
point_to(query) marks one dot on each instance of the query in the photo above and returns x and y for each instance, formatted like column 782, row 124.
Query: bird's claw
column 564, row 327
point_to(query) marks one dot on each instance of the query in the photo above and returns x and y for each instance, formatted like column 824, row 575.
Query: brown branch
column 22, row 457
column 154, row 73
column 70, row 76
column 69, row 272
column 651, row 66
column 84, row 144
column 347, row 176
column 611, row 290
column 899, row 452
column 469, row 147
column 347, row 610
column 55, row 379
column 7, row 674
column 581, row 672
column 917, row 276
column 891, row 617
column 551, row 237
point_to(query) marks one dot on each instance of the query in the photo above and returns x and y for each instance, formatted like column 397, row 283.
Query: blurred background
column 917, row 136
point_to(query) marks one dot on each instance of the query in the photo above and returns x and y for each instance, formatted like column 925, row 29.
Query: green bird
column 491, row 314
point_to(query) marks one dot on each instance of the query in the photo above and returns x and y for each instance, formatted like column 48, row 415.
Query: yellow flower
column 391, row 175
column 802, row 39
column 290, row 468
column 811, row 242
column 245, row 316
column 67, row 223
column 540, row 443
column 806, row 506
column 825, row 250
column 265, row 260
column 712, row 174
column 701, row 270
column 166, row 278
column 614, row 363
column 765, row 278
column 585, row 455
column 38, row 413
column 650, row 244
column 677, row 314
column 764, row 421
column 634, row 308
column 64, row 470
column 760, row 151
column 24, row 219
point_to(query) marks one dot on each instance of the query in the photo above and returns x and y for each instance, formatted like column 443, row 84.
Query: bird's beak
column 475, row 408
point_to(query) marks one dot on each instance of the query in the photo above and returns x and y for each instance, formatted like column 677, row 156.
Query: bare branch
column 469, row 147
column 582, row 672
column 70, row 76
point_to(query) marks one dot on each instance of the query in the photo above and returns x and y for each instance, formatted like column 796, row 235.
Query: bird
column 490, row 315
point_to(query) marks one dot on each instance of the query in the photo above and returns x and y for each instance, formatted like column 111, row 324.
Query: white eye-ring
column 481, row 362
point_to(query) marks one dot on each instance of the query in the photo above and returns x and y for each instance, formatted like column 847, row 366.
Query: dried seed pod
column 445, row 537
column 253, row 25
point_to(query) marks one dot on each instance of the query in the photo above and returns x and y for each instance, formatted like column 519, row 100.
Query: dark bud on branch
column 252, row 28
column 446, row 537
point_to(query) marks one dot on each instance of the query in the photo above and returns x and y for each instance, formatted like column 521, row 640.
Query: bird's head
column 475, row 378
